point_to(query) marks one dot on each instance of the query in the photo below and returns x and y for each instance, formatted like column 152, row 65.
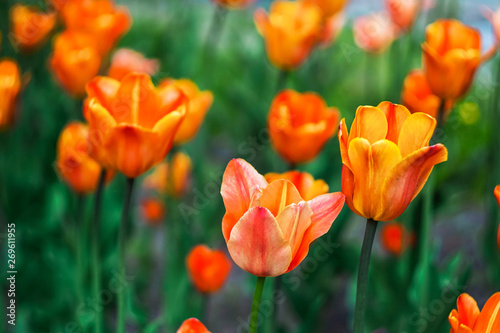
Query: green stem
column 216, row 28
column 281, row 83
column 440, row 115
column 96, row 269
column 122, row 238
column 254, row 315
column 364, row 265
column 80, row 238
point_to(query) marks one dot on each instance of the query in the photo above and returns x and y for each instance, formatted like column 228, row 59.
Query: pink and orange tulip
column 268, row 227
column 126, row 61
column 10, row 88
column 308, row 187
column 374, row 33
column 30, row 26
column 386, row 159
column 208, row 269
column 403, row 12
column 468, row 319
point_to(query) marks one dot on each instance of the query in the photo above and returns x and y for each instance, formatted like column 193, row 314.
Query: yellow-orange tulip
column 172, row 178
column 403, row 12
column 126, row 61
column 100, row 18
column 374, row 33
column 329, row 7
column 306, row 185
column 268, row 227
column 417, row 96
column 153, row 210
column 468, row 319
column 208, row 269
column 10, row 87
column 233, row 4
column 333, row 18
column 300, row 125
column 75, row 61
column 192, row 325
column 451, row 56
column 290, row 31
column 132, row 123
column 199, row 104
column 497, row 197
column 30, row 26
column 386, row 159
column 74, row 164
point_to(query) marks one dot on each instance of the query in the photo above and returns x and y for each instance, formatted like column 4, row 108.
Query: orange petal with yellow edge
column 104, row 89
column 488, row 320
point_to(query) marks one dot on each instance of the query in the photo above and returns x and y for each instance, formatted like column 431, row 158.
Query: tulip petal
column 104, row 89
column 278, row 195
column 325, row 210
column 100, row 124
column 416, row 133
column 257, row 244
column 488, row 320
column 467, row 310
column 343, row 141
column 294, row 220
column 167, row 128
column 407, row 178
column 370, row 123
column 261, row 21
column 396, row 115
column 239, row 182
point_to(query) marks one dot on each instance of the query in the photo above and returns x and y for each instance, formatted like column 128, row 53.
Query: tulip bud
column 10, row 87
column 126, row 61
column 30, row 26
column 192, row 325
column 395, row 238
column 403, row 12
column 153, row 211
column 208, row 269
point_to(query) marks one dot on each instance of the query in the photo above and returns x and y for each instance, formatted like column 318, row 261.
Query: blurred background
column 320, row 293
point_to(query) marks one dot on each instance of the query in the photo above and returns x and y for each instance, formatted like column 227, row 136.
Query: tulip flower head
column 192, row 325
column 403, row 12
column 75, row 61
column 395, row 238
column 153, row 211
column 374, row 33
column 30, row 26
column 306, row 185
column 171, row 178
column 290, row 31
column 451, row 56
column 333, row 18
column 300, row 125
column 208, row 269
column 234, row 4
column 468, row 319
column 268, row 227
column 10, row 88
column 74, row 164
column 126, row 61
column 199, row 104
column 497, row 197
column 329, row 7
column 386, row 159
column 132, row 123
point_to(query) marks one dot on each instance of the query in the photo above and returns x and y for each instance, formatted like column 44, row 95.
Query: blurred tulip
column 290, row 31
column 468, row 319
column 233, row 4
column 332, row 28
column 494, row 18
column 497, row 197
column 329, row 7
column 395, row 238
column 268, row 227
column 74, row 165
column 10, row 87
column 208, row 269
column 173, row 178
column 126, row 61
column 374, row 33
column 333, row 18
column 306, row 185
column 192, row 325
column 100, row 18
column 451, row 57
column 75, row 61
column 153, row 210
column 132, row 123
column 57, row 4
column 199, row 104
column 403, row 12
column 386, row 159
column 300, row 125
column 30, row 26
column 417, row 96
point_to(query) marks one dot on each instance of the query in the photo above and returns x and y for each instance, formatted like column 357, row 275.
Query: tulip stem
column 96, row 269
column 216, row 28
column 282, row 80
column 364, row 265
column 440, row 114
column 80, row 238
column 121, row 253
column 254, row 315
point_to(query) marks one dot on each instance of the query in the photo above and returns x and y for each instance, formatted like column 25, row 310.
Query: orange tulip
column 10, row 87
column 173, row 178
column 75, row 61
column 126, row 61
column 58, row 4
column 329, row 7
column 153, row 210
column 290, row 31
column 300, row 125
column 132, row 123
column 333, row 18
column 452, row 54
column 417, row 96
column 233, row 4
column 374, row 33
column 386, row 159
column 208, row 269
column 30, row 26
column 403, row 12
column 497, row 196
column 468, row 319
column 74, row 164
column 395, row 238
column 192, row 325
column 199, row 103
column 306, row 185
column 100, row 18
column 268, row 227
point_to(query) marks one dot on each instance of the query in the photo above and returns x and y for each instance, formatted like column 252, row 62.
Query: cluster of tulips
column 271, row 220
